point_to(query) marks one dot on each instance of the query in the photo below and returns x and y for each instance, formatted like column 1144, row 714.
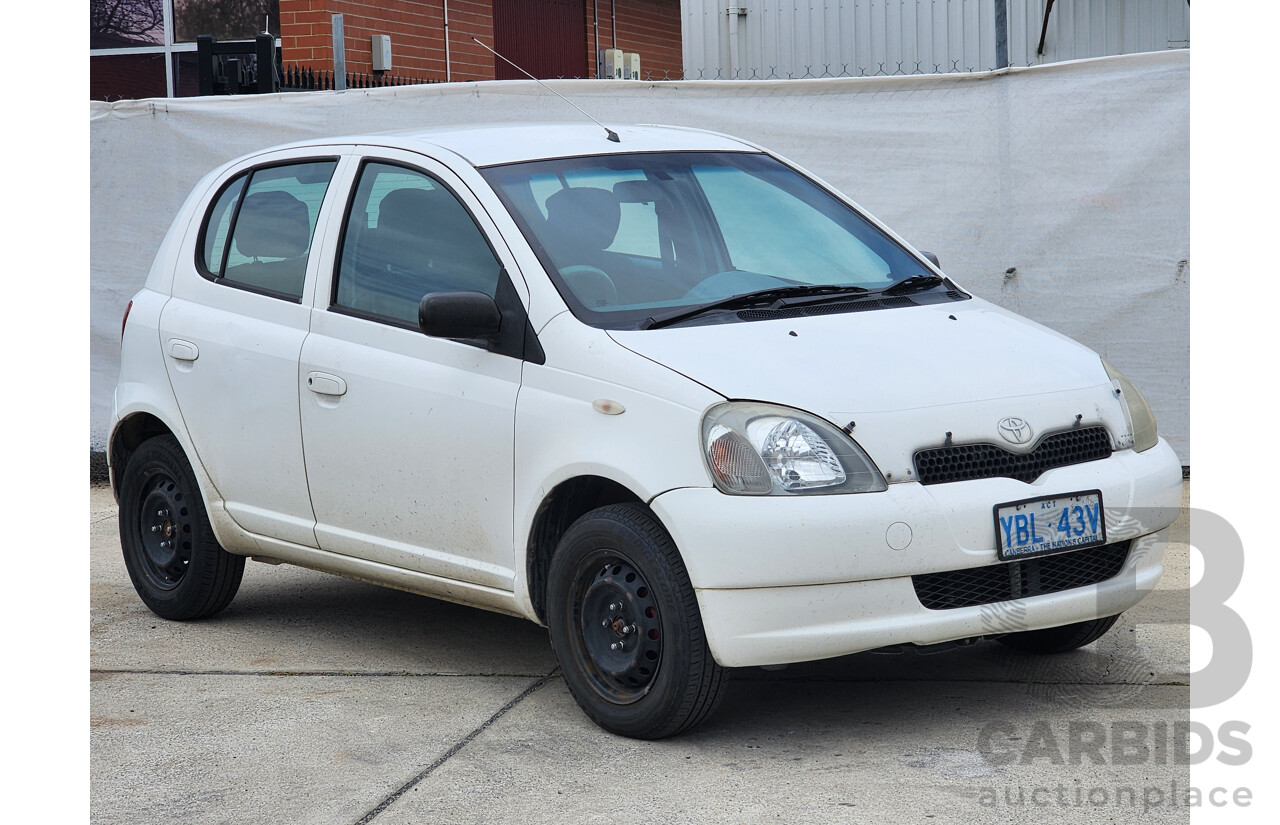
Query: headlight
column 1137, row 413
column 762, row 449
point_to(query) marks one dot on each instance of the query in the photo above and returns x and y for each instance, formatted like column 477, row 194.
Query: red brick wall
column 416, row 30
column 651, row 28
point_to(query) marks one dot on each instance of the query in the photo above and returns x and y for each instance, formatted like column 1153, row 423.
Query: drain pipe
column 1044, row 27
column 613, row 13
column 595, row 24
column 732, row 13
column 448, row 68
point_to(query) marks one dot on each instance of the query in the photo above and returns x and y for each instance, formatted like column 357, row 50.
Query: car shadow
column 377, row 629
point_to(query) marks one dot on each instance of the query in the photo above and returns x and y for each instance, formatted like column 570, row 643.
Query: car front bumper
column 794, row 579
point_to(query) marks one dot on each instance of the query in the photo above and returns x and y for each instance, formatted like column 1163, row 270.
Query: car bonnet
column 878, row 361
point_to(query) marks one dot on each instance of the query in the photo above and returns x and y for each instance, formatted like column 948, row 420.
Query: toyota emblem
column 1015, row 430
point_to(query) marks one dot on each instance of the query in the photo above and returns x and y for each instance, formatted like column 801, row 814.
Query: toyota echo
column 668, row 395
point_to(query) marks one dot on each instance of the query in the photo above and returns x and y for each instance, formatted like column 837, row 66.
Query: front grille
column 1020, row 579
column 965, row 462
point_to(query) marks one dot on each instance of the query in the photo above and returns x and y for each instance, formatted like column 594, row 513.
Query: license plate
column 1040, row 526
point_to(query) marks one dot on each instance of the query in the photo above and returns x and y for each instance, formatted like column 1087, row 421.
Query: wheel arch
column 142, row 423
column 559, row 509
column 128, row 435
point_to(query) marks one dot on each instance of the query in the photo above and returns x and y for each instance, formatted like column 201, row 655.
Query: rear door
column 233, row 330
column 409, row 440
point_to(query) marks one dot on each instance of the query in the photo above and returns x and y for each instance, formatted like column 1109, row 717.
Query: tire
column 1062, row 639
column 176, row 565
column 625, row 626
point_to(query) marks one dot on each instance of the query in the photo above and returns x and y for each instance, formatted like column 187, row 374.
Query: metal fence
column 235, row 67
column 303, row 79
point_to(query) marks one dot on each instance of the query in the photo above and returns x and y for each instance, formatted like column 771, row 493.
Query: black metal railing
column 297, row 78
column 236, row 67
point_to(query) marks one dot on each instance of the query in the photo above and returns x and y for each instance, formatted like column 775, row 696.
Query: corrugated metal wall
column 749, row 39
column 1096, row 28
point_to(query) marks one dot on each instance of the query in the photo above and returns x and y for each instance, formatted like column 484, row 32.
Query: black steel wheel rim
column 619, row 627
column 164, row 531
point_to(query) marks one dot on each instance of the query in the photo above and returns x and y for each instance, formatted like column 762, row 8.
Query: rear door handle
column 323, row 383
column 183, row 350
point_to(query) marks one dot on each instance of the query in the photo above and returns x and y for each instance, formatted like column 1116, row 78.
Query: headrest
column 425, row 211
column 405, row 210
column 272, row 224
column 589, row 216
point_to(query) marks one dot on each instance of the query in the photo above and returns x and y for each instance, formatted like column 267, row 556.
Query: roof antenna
column 613, row 136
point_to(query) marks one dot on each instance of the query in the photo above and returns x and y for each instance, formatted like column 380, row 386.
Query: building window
column 120, row 76
column 146, row 48
column 123, row 24
column 225, row 19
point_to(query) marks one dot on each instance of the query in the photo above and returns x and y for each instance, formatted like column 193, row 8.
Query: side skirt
column 273, row 551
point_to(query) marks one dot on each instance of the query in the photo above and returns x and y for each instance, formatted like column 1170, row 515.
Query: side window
column 408, row 236
column 258, row 233
column 218, row 226
column 637, row 230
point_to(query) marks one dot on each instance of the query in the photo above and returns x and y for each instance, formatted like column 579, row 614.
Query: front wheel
column 1062, row 639
column 625, row 626
column 177, row 566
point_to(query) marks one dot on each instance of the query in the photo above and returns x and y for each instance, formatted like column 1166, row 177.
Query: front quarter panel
column 651, row 447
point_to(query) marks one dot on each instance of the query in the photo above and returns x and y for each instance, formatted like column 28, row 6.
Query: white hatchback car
column 668, row 395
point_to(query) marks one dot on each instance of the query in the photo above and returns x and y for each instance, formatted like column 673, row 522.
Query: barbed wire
column 899, row 68
column 297, row 78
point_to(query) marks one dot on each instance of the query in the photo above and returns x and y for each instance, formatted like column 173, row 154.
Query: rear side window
column 407, row 236
column 258, row 233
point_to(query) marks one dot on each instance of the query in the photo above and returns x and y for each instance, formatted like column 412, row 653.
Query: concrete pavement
column 313, row 699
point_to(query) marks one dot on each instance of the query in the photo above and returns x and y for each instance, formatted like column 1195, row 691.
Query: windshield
column 627, row 238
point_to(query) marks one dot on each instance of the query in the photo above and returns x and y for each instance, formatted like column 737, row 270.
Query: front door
column 409, row 440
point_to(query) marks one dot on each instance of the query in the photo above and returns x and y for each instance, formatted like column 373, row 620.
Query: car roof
column 492, row 144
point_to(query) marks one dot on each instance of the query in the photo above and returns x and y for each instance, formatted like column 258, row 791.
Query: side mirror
column 933, row 259
column 459, row 315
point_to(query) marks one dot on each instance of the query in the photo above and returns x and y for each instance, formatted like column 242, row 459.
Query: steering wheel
column 730, row 282
column 590, row 285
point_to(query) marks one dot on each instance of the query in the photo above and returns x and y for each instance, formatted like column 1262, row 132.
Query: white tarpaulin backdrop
column 1061, row 192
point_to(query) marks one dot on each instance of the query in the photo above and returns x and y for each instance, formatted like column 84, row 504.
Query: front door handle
column 183, row 350
column 323, row 383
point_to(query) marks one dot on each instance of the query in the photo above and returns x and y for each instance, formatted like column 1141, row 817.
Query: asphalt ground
column 314, row 699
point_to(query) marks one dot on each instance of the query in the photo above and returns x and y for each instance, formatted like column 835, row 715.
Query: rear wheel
column 176, row 565
column 625, row 626
column 1059, row 639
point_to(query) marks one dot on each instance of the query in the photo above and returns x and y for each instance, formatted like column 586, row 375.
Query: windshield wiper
column 775, row 297
column 913, row 283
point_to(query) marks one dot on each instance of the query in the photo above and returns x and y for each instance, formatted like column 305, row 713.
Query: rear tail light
column 125, row 320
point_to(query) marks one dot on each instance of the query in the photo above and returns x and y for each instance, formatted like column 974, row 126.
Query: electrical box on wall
column 609, row 64
column 631, row 66
column 381, row 53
